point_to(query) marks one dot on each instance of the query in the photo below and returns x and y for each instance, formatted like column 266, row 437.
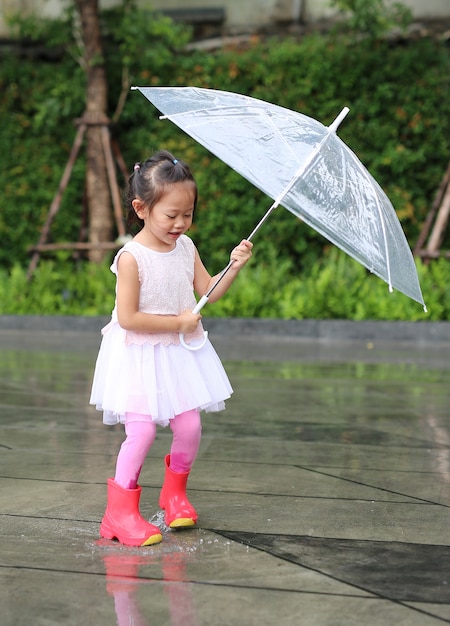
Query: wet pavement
column 323, row 491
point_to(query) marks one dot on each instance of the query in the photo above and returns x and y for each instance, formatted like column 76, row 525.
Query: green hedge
column 336, row 287
column 399, row 125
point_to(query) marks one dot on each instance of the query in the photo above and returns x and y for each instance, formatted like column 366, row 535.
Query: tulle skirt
column 157, row 382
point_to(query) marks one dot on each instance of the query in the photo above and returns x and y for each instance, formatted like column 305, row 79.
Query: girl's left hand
column 241, row 254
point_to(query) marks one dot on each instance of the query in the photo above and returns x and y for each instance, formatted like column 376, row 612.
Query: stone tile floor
column 323, row 490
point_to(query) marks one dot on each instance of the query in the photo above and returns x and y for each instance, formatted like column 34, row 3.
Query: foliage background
column 399, row 126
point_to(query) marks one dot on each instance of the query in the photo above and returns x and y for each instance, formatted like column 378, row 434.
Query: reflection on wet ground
column 323, row 491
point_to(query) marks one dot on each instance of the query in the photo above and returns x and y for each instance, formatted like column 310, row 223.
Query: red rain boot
column 173, row 499
column 122, row 520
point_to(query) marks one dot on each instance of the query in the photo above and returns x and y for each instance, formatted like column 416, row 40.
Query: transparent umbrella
column 303, row 166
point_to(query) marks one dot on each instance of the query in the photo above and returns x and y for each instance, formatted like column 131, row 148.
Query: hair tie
column 175, row 161
column 137, row 166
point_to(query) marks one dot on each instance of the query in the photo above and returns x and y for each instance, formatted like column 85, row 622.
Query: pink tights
column 186, row 429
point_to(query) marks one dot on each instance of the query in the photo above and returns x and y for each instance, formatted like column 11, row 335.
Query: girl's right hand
column 188, row 321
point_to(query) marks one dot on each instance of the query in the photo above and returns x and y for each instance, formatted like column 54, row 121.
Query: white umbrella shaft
column 298, row 174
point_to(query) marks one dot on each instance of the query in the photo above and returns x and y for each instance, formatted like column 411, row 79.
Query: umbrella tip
column 133, row 88
column 425, row 308
column 334, row 126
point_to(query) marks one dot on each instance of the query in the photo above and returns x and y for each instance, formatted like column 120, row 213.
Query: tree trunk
column 95, row 116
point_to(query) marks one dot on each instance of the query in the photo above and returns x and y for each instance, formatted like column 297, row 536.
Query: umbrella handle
column 192, row 347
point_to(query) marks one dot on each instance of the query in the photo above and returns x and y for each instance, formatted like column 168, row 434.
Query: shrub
column 335, row 288
column 398, row 125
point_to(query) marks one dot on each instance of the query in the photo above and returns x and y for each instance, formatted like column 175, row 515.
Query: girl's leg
column 140, row 436
column 187, row 433
column 122, row 519
column 187, row 430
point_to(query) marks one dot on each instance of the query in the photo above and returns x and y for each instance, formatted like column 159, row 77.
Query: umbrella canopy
column 302, row 165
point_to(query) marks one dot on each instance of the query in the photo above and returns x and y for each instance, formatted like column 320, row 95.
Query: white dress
column 151, row 375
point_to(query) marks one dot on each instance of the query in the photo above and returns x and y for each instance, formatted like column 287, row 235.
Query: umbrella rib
column 383, row 228
column 330, row 130
column 303, row 167
column 278, row 133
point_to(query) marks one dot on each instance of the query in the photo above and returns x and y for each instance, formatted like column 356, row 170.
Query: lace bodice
column 166, row 286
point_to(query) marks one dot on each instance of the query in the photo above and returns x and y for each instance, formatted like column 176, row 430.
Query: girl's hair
column 150, row 179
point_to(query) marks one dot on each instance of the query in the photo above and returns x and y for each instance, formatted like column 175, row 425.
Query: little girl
column 143, row 375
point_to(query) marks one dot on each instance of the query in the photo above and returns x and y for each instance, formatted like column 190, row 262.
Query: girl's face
column 169, row 218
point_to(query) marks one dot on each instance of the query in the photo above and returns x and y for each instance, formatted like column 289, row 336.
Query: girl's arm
column 203, row 281
column 129, row 316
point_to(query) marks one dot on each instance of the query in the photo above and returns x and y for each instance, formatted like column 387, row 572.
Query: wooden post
column 54, row 208
column 112, row 155
column 439, row 214
column 107, row 149
column 440, row 225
